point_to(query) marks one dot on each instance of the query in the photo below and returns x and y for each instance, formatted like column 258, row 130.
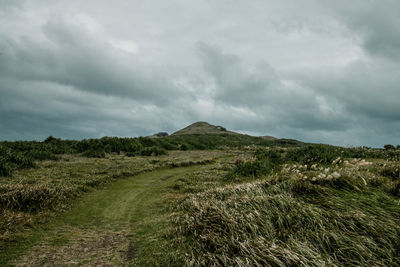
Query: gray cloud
column 235, row 83
column 376, row 23
column 319, row 71
column 72, row 53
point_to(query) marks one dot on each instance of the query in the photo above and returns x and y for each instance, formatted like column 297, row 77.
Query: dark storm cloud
column 319, row 71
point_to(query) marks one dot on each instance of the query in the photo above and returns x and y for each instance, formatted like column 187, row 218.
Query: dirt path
column 109, row 227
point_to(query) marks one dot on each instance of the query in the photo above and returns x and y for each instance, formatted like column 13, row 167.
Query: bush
column 311, row 154
column 51, row 139
column 183, row 147
column 11, row 160
column 271, row 155
column 5, row 168
column 153, row 151
column 254, row 168
column 133, row 146
column 266, row 161
column 41, row 155
column 389, row 147
column 94, row 153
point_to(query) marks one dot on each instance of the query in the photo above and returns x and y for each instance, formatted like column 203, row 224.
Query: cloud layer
column 318, row 71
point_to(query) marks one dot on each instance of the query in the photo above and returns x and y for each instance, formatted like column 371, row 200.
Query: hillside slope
column 201, row 127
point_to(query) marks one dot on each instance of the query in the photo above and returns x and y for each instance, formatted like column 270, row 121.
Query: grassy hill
column 201, row 127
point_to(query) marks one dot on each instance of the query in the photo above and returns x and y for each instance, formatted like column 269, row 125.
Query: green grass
column 34, row 196
column 307, row 206
column 135, row 206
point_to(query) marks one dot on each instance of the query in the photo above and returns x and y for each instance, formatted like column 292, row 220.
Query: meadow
column 198, row 200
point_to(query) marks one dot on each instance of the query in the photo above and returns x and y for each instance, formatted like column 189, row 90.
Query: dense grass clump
column 263, row 163
column 391, row 171
column 35, row 197
column 314, row 154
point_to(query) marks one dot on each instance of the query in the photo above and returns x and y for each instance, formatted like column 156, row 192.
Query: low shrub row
column 267, row 160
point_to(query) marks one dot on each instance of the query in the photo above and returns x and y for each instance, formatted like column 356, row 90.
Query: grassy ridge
column 22, row 154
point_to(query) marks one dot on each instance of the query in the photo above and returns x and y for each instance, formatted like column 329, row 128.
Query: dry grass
column 335, row 215
column 87, row 247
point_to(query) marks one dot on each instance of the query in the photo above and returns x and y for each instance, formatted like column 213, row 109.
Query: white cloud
column 126, row 46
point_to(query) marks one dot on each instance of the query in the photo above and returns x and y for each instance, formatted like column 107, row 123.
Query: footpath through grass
column 120, row 225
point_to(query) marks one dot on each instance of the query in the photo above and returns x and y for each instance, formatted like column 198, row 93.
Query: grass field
column 249, row 206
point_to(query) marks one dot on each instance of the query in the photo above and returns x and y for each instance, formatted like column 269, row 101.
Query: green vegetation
column 32, row 195
column 118, row 225
column 12, row 160
column 21, row 154
column 339, row 213
column 203, row 128
column 214, row 199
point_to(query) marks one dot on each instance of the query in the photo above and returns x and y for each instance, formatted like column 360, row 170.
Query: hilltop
column 204, row 132
column 202, row 127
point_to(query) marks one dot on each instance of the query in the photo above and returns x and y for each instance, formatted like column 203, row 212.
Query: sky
column 318, row 71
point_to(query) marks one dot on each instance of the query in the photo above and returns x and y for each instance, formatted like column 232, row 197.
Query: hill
column 202, row 127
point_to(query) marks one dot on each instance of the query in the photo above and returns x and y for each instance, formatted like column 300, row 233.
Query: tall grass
column 328, row 215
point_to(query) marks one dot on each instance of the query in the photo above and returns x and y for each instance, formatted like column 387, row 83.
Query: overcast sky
column 314, row 70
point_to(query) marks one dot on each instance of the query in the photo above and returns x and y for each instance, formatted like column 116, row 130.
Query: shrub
column 389, row 147
column 94, row 153
column 183, row 147
column 271, row 155
column 41, row 155
column 133, row 146
column 266, row 161
column 323, row 154
column 153, row 151
column 51, row 139
column 5, row 168
column 11, row 160
column 254, row 168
